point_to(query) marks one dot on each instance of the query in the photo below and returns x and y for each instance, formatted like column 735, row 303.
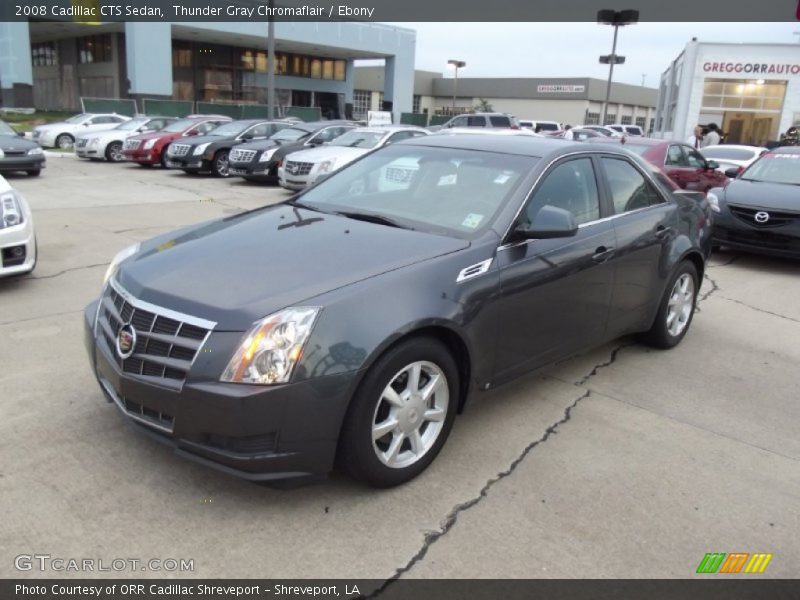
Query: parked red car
column 682, row 163
column 150, row 149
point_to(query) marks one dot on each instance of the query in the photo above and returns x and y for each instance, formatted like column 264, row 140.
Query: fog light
column 17, row 251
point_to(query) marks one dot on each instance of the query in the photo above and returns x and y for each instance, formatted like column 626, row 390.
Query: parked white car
column 602, row 129
column 63, row 133
column 302, row 168
column 107, row 144
column 631, row 130
column 729, row 156
column 543, row 126
column 17, row 237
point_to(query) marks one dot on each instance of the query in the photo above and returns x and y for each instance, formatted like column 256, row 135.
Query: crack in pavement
column 431, row 537
column 761, row 310
column 36, row 318
column 104, row 264
column 611, row 360
column 714, row 288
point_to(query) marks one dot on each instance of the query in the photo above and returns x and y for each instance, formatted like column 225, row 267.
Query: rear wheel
column 677, row 308
column 163, row 159
column 145, row 165
column 34, row 172
column 65, row 141
column 401, row 415
column 114, row 152
column 221, row 165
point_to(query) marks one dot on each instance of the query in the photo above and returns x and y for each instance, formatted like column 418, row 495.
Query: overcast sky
column 572, row 49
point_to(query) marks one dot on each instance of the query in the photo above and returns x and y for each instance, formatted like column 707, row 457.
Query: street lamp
column 617, row 18
column 456, row 64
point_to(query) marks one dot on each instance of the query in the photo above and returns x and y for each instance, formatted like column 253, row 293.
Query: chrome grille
column 81, row 143
column 166, row 342
column 238, row 155
column 776, row 218
column 132, row 144
column 298, row 168
column 178, row 149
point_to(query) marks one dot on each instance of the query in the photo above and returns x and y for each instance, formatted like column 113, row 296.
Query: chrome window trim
column 160, row 310
column 588, row 154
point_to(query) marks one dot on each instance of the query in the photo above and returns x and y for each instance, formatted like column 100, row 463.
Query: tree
column 483, row 105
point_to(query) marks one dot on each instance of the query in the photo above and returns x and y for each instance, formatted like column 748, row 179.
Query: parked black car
column 210, row 152
column 259, row 161
column 759, row 210
column 19, row 154
column 358, row 317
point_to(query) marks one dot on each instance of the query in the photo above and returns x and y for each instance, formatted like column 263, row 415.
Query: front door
column 555, row 293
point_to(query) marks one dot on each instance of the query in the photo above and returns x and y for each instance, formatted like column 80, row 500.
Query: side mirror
column 192, row 133
column 86, row 124
column 549, row 222
column 712, row 165
column 733, row 172
column 246, row 137
column 315, row 142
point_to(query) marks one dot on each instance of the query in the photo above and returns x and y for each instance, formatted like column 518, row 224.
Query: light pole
column 617, row 18
column 456, row 64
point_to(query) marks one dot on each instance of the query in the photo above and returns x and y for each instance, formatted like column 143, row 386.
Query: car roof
column 486, row 131
column 390, row 128
column 785, row 150
column 734, row 147
column 522, row 145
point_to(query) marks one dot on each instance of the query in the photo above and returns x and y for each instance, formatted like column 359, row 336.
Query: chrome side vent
column 474, row 270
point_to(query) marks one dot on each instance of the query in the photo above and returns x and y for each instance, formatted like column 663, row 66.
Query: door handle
column 662, row 231
column 602, row 254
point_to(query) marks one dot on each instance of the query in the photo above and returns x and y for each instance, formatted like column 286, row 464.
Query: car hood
column 196, row 140
column 340, row 153
column 237, row 270
column 775, row 196
column 107, row 135
column 8, row 142
column 58, row 126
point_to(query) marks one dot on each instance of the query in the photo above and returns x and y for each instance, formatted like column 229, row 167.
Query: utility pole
column 270, row 62
column 618, row 19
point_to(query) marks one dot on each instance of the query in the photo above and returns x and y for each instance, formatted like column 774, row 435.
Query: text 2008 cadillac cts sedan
column 355, row 320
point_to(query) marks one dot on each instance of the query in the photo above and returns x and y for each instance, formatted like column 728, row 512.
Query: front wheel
column 114, row 152
column 677, row 308
column 65, row 141
column 401, row 415
column 221, row 166
column 34, row 172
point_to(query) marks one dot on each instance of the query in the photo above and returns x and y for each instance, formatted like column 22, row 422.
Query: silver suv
column 496, row 120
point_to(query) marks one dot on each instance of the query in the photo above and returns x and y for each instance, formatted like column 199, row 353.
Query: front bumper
column 13, row 240
column 292, row 182
column 253, row 432
column 22, row 163
column 255, row 171
column 148, row 157
column 188, row 163
column 731, row 231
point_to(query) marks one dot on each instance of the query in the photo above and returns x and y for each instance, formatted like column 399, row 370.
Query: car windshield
column 446, row 191
column 179, row 126
column 290, row 134
column 77, row 118
column 6, row 129
column 359, row 139
column 721, row 152
column 132, row 124
column 230, row 129
column 775, row 168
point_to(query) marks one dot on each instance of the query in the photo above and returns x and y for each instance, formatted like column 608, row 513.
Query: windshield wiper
column 371, row 218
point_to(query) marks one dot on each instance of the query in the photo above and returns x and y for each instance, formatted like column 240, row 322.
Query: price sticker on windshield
column 472, row 220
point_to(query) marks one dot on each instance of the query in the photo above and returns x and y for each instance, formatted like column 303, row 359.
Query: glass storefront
column 748, row 110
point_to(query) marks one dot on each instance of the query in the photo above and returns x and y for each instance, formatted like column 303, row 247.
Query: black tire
column 64, row 141
column 114, row 152
column 220, row 166
column 34, row 172
column 145, row 165
column 660, row 335
column 163, row 158
column 358, row 454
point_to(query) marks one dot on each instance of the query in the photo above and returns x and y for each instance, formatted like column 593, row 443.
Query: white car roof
column 486, row 131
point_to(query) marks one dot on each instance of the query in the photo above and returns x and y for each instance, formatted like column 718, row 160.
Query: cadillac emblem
column 126, row 341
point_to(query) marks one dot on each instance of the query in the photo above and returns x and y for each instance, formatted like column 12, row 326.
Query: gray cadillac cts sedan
column 353, row 321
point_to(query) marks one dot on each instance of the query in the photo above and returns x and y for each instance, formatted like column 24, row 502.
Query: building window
column 611, row 119
column 626, row 120
column 380, row 100
column 415, row 104
column 97, row 87
column 44, row 54
column 743, row 94
column 327, row 69
column 94, row 49
column 592, row 118
column 316, row 68
column 340, row 70
column 361, row 103
column 182, row 55
column 640, row 122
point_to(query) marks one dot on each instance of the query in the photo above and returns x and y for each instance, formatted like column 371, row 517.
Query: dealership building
column 752, row 91
column 51, row 65
column 568, row 100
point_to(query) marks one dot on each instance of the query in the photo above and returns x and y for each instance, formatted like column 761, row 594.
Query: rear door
column 555, row 293
column 645, row 222
column 677, row 166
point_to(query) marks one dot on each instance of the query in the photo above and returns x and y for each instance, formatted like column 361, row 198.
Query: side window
column 116, row 120
column 205, row 127
column 571, row 186
column 400, row 135
column 476, row 122
column 694, row 158
column 629, row 189
column 500, row 121
column 459, row 122
column 326, row 135
column 258, row 131
column 675, row 157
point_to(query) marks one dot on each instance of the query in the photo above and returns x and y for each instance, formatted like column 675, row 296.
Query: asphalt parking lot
column 623, row 462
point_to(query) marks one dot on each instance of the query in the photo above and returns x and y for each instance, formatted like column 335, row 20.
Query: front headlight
column 150, row 143
column 10, row 210
column 199, row 149
column 713, row 202
column 120, row 256
column 35, row 151
column 267, row 154
column 327, row 165
column 269, row 352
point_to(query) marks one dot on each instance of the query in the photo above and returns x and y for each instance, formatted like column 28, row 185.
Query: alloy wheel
column 681, row 304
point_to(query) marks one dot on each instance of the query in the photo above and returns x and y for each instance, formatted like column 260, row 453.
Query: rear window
column 476, row 122
column 500, row 121
column 548, row 126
